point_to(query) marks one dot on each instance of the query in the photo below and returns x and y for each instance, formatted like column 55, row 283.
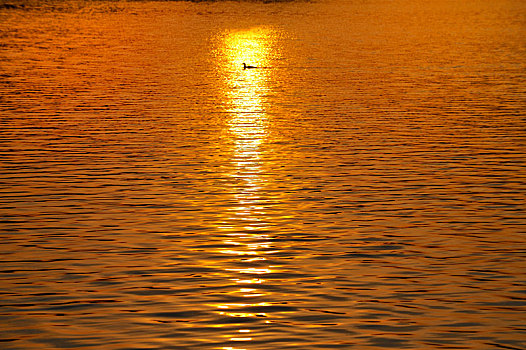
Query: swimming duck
column 247, row 67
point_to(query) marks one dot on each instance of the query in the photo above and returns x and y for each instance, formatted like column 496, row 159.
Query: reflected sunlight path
column 246, row 227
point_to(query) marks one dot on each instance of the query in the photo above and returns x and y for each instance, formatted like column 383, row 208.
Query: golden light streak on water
column 245, row 95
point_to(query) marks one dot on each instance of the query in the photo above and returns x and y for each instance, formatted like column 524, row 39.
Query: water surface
column 363, row 188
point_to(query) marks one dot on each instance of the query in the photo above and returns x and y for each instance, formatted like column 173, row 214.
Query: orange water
column 364, row 188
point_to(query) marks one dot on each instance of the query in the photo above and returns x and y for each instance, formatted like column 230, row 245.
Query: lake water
column 364, row 188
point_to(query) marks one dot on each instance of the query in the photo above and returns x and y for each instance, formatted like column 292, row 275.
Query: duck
column 248, row 67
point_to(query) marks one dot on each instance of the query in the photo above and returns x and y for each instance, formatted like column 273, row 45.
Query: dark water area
column 363, row 188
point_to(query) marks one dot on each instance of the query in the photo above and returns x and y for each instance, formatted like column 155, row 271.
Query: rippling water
column 363, row 188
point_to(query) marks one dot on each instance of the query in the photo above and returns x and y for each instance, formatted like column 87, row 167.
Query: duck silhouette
column 248, row 67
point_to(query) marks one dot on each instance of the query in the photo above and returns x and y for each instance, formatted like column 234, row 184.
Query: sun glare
column 245, row 94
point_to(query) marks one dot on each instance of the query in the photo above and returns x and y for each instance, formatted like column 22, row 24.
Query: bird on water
column 248, row 67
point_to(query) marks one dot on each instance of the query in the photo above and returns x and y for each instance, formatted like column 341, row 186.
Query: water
column 364, row 188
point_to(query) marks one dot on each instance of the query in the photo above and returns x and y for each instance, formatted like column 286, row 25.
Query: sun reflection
column 245, row 93
column 246, row 130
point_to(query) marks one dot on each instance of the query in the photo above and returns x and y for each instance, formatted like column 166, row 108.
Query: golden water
column 363, row 188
